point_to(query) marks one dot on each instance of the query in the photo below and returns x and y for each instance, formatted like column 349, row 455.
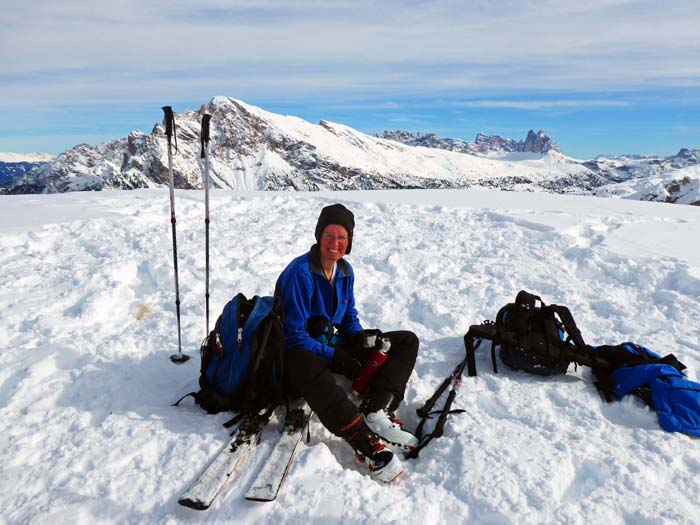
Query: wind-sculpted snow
column 88, row 324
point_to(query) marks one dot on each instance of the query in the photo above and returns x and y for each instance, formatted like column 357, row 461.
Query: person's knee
column 409, row 345
column 412, row 342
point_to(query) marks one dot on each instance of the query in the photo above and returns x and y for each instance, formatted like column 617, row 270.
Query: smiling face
column 334, row 242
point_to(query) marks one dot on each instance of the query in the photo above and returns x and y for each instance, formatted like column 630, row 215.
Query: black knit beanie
column 336, row 214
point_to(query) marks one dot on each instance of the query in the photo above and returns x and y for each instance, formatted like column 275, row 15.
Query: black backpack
column 539, row 339
column 242, row 358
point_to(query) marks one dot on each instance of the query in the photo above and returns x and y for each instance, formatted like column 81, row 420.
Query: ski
column 267, row 485
column 201, row 493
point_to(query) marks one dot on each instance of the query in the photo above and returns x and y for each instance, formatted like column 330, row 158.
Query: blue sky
column 607, row 77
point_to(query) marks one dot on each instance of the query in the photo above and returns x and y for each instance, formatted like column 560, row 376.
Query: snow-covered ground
column 87, row 324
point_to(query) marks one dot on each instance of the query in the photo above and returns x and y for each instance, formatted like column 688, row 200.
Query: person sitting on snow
column 323, row 335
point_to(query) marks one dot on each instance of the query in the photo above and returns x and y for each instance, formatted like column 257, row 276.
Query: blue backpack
column 242, row 357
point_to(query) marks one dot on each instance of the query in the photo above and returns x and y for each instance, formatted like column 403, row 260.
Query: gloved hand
column 368, row 339
column 344, row 363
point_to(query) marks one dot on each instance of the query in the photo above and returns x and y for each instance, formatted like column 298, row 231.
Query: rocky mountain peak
column 539, row 143
column 483, row 144
column 252, row 149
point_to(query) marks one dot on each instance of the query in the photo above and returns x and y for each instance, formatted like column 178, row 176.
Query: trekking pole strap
column 423, row 440
column 478, row 331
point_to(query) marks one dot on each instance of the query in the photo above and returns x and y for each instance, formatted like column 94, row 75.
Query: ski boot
column 382, row 463
column 378, row 413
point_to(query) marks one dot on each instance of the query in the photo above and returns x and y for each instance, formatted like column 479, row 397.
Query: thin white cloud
column 541, row 104
column 154, row 35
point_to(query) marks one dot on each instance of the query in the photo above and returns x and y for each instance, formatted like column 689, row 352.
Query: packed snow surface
column 88, row 323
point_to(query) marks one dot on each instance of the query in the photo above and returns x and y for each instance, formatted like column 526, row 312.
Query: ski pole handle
column 205, row 132
column 169, row 120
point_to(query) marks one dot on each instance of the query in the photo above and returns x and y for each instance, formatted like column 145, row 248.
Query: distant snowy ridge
column 483, row 144
column 681, row 187
column 14, row 165
column 25, row 157
column 252, row 149
column 10, row 171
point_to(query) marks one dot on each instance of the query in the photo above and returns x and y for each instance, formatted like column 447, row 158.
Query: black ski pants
column 309, row 375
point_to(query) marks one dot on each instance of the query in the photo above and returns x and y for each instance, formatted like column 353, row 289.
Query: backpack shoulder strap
column 572, row 331
column 486, row 330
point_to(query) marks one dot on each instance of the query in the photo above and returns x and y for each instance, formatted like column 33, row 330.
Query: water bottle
column 375, row 360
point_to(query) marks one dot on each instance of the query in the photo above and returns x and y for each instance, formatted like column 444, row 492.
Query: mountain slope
column 252, row 149
column 255, row 149
column 9, row 171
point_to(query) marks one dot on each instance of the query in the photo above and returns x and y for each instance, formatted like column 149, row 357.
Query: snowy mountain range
column 10, row 171
column 14, row 165
column 252, row 149
column 483, row 145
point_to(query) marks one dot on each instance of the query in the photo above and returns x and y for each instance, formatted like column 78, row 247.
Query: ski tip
column 193, row 504
column 256, row 498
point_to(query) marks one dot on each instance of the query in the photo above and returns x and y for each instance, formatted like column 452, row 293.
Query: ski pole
column 425, row 410
column 456, row 380
column 205, row 155
column 169, row 118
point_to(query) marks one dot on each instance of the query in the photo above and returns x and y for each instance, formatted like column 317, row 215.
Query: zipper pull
column 240, row 335
column 218, row 345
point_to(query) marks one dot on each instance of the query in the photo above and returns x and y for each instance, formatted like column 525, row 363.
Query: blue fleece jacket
column 306, row 294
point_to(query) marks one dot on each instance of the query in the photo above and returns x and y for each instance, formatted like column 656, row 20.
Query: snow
column 681, row 186
column 414, row 165
column 25, row 157
column 88, row 324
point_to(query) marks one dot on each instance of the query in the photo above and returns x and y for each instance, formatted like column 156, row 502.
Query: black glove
column 368, row 339
column 344, row 363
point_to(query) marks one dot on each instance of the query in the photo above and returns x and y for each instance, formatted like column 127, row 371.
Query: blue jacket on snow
column 306, row 294
column 675, row 398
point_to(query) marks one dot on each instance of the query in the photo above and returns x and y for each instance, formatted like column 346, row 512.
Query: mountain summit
column 252, row 149
column 483, row 145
